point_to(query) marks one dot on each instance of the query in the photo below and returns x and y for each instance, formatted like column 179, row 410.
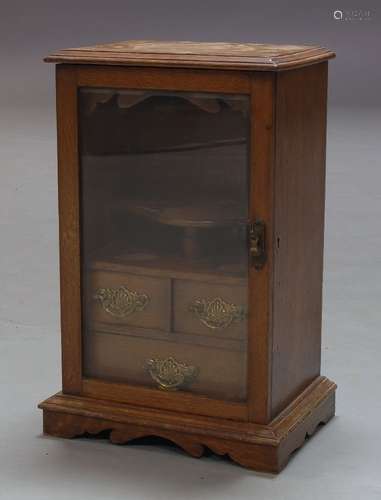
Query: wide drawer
column 166, row 365
column 128, row 299
column 214, row 309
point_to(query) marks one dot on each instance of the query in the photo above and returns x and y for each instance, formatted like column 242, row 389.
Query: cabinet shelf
column 170, row 266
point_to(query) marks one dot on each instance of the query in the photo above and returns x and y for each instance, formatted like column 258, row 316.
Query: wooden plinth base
column 259, row 447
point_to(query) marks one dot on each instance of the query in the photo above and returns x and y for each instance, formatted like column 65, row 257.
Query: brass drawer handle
column 169, row 373
column 121, row 302
column 216, row 313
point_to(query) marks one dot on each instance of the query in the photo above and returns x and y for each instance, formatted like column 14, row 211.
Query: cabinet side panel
column 68, row 194
column 299, row 230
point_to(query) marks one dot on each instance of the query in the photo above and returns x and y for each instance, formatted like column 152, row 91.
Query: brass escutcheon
column 216, row 313
column 169, row 373
column 121, row 302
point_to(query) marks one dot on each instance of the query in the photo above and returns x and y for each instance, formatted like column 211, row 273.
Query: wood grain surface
column 259, row 447
column 252, row 56
column 299, row 195
column 69, row 229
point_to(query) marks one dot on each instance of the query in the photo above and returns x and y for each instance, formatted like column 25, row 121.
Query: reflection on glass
column 164, row 239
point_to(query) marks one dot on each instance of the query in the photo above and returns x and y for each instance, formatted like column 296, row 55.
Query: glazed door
column 163, row 189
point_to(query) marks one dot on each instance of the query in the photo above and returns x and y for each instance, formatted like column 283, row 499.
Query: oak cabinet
column 191, row 203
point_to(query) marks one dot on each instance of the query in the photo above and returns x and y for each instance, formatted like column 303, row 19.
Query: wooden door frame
column 262, row 160
column 260, row 86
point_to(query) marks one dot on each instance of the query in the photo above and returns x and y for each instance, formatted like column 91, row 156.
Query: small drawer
column 166, row 365
column 128, row 299
column 217, row 310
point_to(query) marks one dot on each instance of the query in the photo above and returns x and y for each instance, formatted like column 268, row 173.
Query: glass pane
column 164, row 202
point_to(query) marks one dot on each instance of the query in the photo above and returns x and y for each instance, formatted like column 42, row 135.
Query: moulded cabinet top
column 250, row 56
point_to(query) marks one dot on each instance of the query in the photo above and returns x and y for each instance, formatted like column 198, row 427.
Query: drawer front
column 210, row 309
column 128, row 299
column 167, row 365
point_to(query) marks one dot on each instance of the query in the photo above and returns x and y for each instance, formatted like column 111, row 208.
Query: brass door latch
column 257, row 244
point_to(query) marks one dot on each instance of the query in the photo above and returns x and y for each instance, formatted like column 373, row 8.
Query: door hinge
column 257, row 244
